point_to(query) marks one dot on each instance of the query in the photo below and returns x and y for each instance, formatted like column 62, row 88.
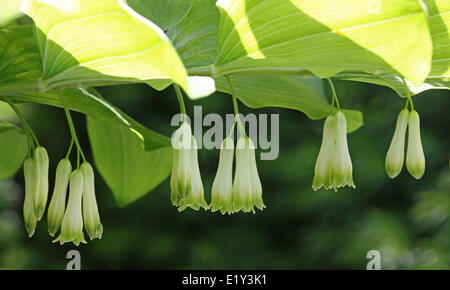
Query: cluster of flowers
column 244, row 194
column 415, row 158
column 334, row 166
column 81, row 206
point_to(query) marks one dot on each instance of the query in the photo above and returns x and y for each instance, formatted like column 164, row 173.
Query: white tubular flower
column 72, row 224
column 223, row 182
column 40, row 198
column 91, row 216
column 247, row 190
column 30, row 173
column 342, row 163
column 57, row 205
column 396, row 153
column 323, row 172
column 415, row 159
column 185, row 182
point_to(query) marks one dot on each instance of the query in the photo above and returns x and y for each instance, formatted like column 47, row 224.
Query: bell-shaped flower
column 40, row 198
column 323, row 172
column 31, row 174
column 72, row 224
column 57, row 205
column 221, row 194
column 91, row 216
column 247, row 190
column 186, row 183
column 415, row 159
column 342, row 163
column 396, row 153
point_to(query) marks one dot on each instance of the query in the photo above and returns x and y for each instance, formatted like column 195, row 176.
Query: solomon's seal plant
column 229, row 46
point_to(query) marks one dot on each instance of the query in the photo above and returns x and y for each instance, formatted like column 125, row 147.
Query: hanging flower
column 185, row 182
column 72, row 224
column 31, row 186
column 415, row 158
column 221, row 194
column 91, row 216
column 323, row 172
column 342, row 163
column 247, row 189
column 334, row 166
column 396, row 153
column 57, row 205
column 40, row 198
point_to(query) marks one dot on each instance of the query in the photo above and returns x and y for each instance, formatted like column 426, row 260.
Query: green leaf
column 10, row 10
column 325, row 37
column 20, row 64
column 164, row 13
column 439, row 19
column 91, row 103
column 292, row 92
column 101, row 42
column 14, row 149
column 128, row 170
column 195, row 36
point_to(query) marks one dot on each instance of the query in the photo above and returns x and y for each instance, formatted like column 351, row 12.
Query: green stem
column 335, row 98
column 70, row 149
column 236, row 108
column 71, row 126
column 180, row 99
column 22, row 119
column 408, row 94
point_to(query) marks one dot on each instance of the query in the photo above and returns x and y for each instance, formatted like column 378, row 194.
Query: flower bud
column 72, row 224
column 91, row 216
column 223, row 182
column 40, row 198
column 57, row 205
column 323, row 172
column 415, row 159
column 31, row 185
column 396, row 152
column 342, row 163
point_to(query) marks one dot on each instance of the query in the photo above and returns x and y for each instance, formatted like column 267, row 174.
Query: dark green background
column 405, row 219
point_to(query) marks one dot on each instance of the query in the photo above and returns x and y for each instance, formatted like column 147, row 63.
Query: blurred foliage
column 405, row 219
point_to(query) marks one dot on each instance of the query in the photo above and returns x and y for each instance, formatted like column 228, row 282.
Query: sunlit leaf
column 101, row 42
column 9, row 11
column 325, row 37
column 128, row 170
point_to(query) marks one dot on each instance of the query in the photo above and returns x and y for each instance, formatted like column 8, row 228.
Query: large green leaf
column 91, row 103
column 439, row 18
column 164, row 13
column 13, row 148
column 20, row 64
column 101, row 42
column 324, row 37
column 291, row 92
column 128, row 170
column 9, row 11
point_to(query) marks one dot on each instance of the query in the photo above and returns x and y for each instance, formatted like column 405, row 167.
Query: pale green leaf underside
column 14, row 149
column 93, row 105
column 9, row 11
column 291, row 92
column 128, row 170
column 325, row 37
column 102, row 42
